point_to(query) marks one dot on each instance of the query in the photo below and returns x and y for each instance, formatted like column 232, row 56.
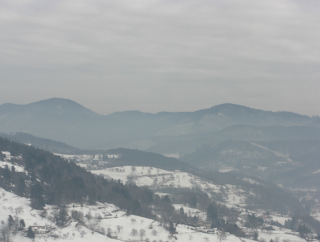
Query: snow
column 87, row 158
column 7, row 162
column 174, row 155
column 162, row 194
column 17, row 167
column 76, row 157
column 226, row 169
column 251, row 181
column 105, row 217
column 279, row 219
column 280, row 234
column 149, row 176
column 19, row 207
column 316, row 216
column 262, row 168
column 157, row 178
column 191, row 212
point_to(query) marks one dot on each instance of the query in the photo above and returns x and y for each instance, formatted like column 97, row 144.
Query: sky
column 162, row 55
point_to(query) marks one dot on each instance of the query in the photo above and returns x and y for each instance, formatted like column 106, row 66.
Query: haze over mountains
column 244, row 162
column 182, row 132
column 281, row 147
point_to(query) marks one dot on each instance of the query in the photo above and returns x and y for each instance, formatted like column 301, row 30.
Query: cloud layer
column 152, row 55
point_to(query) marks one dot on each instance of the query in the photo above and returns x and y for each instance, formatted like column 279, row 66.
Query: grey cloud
column 162, row 55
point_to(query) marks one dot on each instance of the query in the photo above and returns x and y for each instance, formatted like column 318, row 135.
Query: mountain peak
column 51, row 108
column 58, row 102
column 230, row 106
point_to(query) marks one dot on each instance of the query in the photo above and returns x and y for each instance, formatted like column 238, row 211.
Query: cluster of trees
column 253, row 221
column 11, row 226
column 53, row 180
column 296, row 224
column 141, row 158
column 218, row 221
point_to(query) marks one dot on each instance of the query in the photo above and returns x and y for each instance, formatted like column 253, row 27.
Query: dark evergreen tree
column 36, row 196
column 30, row 233
column 193, row 201
column 212, row 214
column 22, row 223
column 303, row 230
column 254, row 221
column 181, row 211
column 10, row 221
column 7, row 173
column 172, row 229
column 134, row 208
column 62, row 216
column 166, row 199
column 21, row 186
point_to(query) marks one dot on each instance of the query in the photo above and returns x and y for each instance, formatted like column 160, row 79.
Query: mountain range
column 165, row 132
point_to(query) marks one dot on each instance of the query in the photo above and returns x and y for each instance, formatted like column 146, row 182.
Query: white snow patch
column 174, row 155
column 251, row 181
column 17, row 167
column 227, row 169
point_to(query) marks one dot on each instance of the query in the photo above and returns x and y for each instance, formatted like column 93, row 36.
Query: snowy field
column 150, row 176
column 102, row 218
column 154, row 177
column 99, row 219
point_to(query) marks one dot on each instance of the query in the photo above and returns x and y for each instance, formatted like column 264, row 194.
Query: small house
column 39, row 229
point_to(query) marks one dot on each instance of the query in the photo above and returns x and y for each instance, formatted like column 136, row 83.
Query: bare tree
column 133, row 169
column 5, row 232
column 142, row 233
column 119, row 228
column 82, row 233
column 222, row 236
column 134, row 232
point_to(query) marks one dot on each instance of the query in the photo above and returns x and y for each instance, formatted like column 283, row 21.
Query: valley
column 228, row 173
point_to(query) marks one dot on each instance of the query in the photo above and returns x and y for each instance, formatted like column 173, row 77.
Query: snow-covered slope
column 98, row 221
column 157, row 178
column 95, row 222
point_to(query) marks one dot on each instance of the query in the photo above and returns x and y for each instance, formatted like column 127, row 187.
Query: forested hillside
column 48, row 179
column 294, row 164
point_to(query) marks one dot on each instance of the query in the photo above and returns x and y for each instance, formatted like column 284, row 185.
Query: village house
column 39, row 229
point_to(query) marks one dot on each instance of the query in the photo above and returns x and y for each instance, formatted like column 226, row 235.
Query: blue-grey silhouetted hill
column 67, row 121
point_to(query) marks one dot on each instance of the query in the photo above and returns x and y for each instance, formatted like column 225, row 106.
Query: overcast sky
column 166, row 55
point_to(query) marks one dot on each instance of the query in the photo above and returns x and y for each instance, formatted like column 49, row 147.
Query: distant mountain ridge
column 69, row 122
column 289, row 163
